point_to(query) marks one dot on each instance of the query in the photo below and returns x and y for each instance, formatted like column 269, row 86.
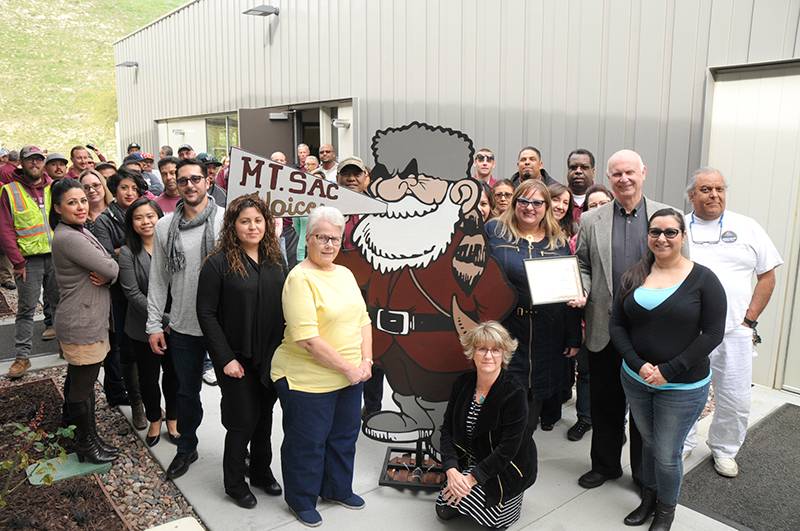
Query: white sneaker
column 210, row 377
column 726, row 466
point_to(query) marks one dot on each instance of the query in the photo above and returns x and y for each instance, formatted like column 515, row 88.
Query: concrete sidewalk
column 555, row 502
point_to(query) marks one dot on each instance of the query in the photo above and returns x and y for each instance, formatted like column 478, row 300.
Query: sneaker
column 210, row 377
column 578, row 430
column 309, row 518
column 49, row 334
column 726, row 467
column 18, row 368
column 354, row 501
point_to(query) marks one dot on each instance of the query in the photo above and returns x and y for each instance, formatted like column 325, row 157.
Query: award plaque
column 554, row 279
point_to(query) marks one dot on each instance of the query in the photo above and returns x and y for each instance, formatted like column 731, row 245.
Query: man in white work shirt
column 734, row 247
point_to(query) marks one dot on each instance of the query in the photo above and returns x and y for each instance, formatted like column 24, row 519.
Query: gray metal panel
column 556, row 74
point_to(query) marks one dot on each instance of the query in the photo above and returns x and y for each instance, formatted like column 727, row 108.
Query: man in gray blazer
column 612, row 239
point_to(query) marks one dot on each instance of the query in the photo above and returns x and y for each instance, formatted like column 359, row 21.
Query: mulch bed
column 75, row 503
column 137, row 495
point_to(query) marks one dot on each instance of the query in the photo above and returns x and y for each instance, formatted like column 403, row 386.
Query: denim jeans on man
column 319, row 444
column 187, row 358
column 664, row 417
column 38, row 274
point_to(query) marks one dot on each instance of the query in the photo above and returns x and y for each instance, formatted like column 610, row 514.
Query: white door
column 754, row 139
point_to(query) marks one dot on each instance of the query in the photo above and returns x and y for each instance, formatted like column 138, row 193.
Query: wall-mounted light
column 180, row 132
column 279, row 116
column 128, row 64
column 341, row 123
column 262, row 11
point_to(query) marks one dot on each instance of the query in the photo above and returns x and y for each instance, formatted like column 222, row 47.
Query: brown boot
column 138, row 418
column 18, row 368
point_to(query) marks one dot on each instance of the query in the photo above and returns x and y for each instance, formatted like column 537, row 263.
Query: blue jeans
column 319, row 444
column 664, row 418
column 187, row 358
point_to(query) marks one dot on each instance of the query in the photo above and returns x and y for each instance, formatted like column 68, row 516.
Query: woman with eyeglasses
column 239, row 311
column 548, row 334
column 488, row 453
column 98, row 194
column 668, row 315
column 596, row 196
column 502, row 191
column 319, row 371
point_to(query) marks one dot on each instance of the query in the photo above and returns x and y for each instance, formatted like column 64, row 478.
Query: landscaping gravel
column 136, row 482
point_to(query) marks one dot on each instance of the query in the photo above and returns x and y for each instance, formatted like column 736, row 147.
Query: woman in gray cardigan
column 83, row 272
column 134, row 276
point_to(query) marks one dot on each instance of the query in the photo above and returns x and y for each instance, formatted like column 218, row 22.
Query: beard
column 410, row 234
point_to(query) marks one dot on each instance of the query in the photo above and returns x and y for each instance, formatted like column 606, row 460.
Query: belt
column 402, row 322
column 522, row 311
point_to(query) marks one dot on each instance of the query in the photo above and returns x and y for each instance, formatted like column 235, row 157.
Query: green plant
column 36, row 446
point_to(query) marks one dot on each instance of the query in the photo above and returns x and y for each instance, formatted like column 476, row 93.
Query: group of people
column 148, row 284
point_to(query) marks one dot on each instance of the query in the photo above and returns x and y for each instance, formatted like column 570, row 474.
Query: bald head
column 279, row 157
column 626, row 173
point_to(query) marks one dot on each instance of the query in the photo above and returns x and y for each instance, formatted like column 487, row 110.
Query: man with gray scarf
column 183, row 239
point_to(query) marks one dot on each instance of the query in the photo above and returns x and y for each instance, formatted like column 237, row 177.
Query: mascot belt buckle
column 395, row 322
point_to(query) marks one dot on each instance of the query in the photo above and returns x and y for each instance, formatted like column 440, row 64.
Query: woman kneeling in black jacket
column 487, row 446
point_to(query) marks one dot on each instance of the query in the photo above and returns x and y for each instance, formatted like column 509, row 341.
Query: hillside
column 57, row 80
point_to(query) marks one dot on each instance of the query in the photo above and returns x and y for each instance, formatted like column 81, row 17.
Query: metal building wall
column 557, row 74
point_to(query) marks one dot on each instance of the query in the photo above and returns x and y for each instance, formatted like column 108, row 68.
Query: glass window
column 222, row 132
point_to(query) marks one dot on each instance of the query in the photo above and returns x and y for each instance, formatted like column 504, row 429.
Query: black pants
column 551, row 409
column 151, row 366
column 121, row 378
column 79, row 384
column 608, row 415
column 247, row 416
column 373, row 391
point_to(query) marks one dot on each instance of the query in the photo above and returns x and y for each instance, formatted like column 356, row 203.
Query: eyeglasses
column 481, row 158
column 705, row 242
column 525, row 202
column 670, row 234
column 503, row 195
column 483, row 351
column 595, row 204
column 324, row 239
column 183, row 181
column 88, row 187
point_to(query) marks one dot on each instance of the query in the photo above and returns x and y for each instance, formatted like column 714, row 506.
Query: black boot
column 93, row 428
column 665, row 514
column 86, row 447
column 446, row 512
column 645, row 510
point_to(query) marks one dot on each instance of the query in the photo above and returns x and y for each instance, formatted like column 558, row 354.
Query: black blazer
column 502, row 443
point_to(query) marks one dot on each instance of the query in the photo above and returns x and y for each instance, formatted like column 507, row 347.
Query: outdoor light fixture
column 341, row 124
column 129, row 64
column 262, row 11
column 279, row 116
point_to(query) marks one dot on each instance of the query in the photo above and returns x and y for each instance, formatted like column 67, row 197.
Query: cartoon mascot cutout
column 426, row 272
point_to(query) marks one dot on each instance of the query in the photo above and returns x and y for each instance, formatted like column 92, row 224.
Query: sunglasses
column 484, row 158
column 183, row 181
column 525, row 202
column 668, row 233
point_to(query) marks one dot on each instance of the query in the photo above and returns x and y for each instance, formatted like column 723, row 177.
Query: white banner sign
column 290, row 192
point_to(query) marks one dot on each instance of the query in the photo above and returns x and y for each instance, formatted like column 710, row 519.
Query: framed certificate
column 554, row 279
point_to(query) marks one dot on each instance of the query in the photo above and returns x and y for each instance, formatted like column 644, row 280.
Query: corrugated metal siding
column 556, row 74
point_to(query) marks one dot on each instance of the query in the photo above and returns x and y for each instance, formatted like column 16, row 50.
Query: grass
column 57, row 75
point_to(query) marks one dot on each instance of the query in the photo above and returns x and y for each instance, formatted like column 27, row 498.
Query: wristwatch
column 751, row 324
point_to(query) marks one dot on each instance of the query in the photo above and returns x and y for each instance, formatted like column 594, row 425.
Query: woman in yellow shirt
column 319, row 371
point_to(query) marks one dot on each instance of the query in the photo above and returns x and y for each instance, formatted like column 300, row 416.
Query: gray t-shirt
column 182, row 285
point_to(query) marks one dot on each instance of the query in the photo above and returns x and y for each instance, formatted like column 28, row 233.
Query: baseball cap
column 30, row 151
column 134, row 158
column 55, row 156
column 3, row 152
column 148, row 156
column 184, row 147
column 104, row 165
column 133, row 145
column 351, row 161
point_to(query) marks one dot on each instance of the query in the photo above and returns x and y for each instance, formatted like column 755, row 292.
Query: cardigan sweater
column 82, row 313
column 502, row 442
column 678, row 334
